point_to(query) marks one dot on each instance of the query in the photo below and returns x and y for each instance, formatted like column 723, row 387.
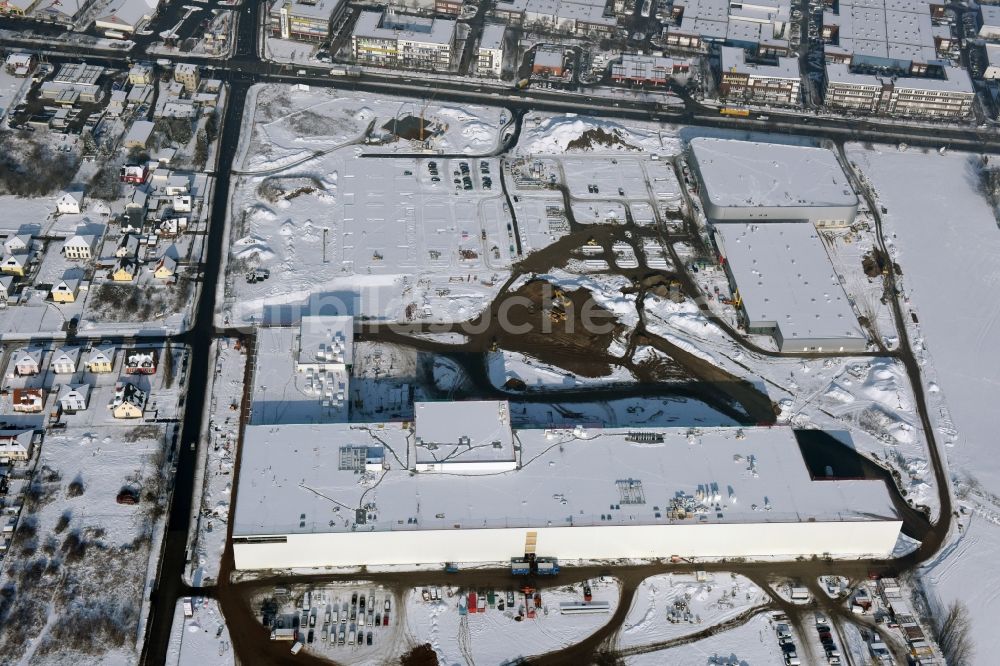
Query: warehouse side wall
column 844, row 540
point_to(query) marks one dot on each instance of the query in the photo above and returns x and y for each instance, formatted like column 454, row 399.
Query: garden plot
column 670, row 606
column 80, row 562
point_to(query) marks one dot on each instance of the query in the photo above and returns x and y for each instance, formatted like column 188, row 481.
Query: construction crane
column 422, row 111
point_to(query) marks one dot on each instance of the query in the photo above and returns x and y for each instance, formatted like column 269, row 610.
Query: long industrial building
column 357, row 494
column 752, row 181
column 787, row 287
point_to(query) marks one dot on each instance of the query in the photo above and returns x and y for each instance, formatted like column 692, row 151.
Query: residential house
column 65, row 360
column 74, row 397
column 141, row 362
column 16, row 444
column 18, row 244
column 134, row 174
column 128, row 402
column 124, row 270
column 100, row 360
column 15, row 264
column 128, row 247
column 165, row 268
column 65, row 291
column 27, row 361
column 138, row 135
column 70, row 203
column 28, row 400
column 79, row 247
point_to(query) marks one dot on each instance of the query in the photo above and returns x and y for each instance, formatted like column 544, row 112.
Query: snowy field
column 494, row 637
column 947, row 242
column 506, row 365
column 344, row 227
column 670, row 606
column 751, row 644
column 562, row 133
column 79, row 563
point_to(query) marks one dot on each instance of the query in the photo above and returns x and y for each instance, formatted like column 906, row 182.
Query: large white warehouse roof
column 309, row 479
column 787, row 282
column 754, row 175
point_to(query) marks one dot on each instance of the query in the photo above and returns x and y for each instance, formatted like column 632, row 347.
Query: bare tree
column 954, row 635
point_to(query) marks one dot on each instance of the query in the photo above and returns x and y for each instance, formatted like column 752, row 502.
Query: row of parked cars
column 790, row 651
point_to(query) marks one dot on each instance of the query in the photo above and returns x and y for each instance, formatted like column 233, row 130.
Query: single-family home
column 138, row 135
column 141, row 362
column 79, row 246
column 134, row 174
column 128, row 247
column 128, row 402
column 65, row 360
column 15, row 264
column 165, row 268
column 172, row 226
column 74, row 397
column 16, row 444
column 100, row 360
column 124, row 270
column 17, row 244
column 65, row 291
column 27, row 361
column 70, row 203
column 28, row 400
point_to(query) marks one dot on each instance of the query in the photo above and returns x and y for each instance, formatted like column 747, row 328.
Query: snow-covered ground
column 561, row 133
column 495, row 636
column 943, row 233
column 341, row 229
column 506, row 365
column 673, row 605
column 753, row 643
column 200, row 639
column 219, row 450
column 80, row 562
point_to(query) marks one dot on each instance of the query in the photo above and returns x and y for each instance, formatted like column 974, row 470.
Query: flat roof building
column 490, row 52
column 742, row 81
column 391, row 39
column 748, row 180
column 951, row 95
column 990, row 19
column 647, row 70
column 762, row 25
column 787, row 287
column 345, row 495
column 307, row 20
column 582, row 17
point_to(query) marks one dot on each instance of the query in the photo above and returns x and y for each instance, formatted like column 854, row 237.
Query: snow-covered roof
column 323, row 9
column 326, row 339
column 492, row 37
column 73, row 391
column 785, row 276
column 379, row 25
column 548, row 57
column 298, row 479
column 734, row 60
column 129, row 13
column 753, row 174
column 476, row 431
